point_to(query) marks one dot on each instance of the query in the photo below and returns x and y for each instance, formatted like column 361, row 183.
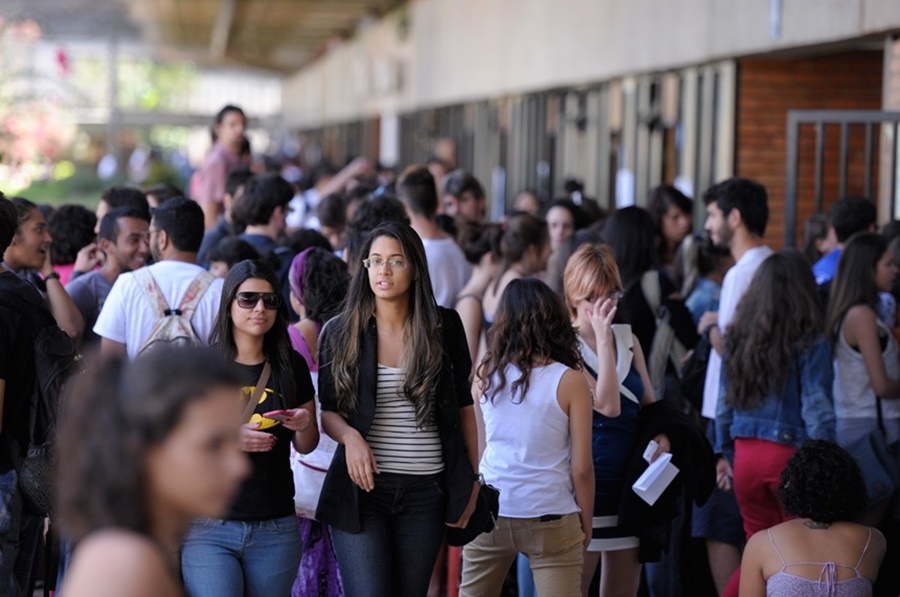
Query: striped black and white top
column 398, row 444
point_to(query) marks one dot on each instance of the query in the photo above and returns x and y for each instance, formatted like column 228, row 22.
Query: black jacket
column 339, row 501
column 693, row 456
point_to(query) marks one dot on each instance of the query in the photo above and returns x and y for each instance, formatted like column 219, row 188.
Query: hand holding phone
column 277, row 415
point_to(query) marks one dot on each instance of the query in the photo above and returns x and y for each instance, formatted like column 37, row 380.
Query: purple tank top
column 783, row 584
column 298, row 342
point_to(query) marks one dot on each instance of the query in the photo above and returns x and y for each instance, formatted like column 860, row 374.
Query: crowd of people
column 263, row 390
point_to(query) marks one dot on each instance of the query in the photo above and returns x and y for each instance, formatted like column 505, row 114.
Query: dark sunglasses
column 249, row 300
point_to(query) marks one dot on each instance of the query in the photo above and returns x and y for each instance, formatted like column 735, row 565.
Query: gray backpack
column 173, row 326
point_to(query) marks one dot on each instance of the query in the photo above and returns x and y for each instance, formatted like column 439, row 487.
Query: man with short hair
column 20, row 531
column 463, row 196
column 845, row 218
column 115, row 197
column 124, row 243
column 447, row 265
column 263, row 207
column 128, row 317
column 737, row 214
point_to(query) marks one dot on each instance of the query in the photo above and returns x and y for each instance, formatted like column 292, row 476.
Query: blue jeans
column 223, row 558
column 20, row 539
column 524, row 577
column 402, row 531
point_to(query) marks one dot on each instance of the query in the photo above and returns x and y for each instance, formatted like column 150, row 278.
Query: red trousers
column 757, row 473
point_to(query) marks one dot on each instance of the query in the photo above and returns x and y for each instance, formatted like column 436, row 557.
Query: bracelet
column 52, row 276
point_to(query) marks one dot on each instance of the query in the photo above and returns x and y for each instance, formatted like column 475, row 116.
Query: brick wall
column 767, row 89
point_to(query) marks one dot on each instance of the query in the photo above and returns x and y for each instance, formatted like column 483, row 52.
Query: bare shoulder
column 572, row 385
column 121, row 563
column 860, row 315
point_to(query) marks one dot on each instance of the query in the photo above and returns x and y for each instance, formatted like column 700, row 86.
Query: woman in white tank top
column 866, row 366
column 536, row 409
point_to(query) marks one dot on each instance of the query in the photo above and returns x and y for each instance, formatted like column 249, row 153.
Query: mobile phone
column 277, row 415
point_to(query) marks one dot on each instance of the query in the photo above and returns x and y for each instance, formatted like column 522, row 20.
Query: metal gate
column 879, row 133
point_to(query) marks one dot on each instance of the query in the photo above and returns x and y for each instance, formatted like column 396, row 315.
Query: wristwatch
column 52, row 276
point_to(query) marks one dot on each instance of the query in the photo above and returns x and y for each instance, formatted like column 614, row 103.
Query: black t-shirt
column 17, row 337
column 268, row 492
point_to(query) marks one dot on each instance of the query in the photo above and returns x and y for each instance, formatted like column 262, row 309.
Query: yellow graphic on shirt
column 258, row 418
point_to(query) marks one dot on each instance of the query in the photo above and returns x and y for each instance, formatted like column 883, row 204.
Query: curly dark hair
column 477, row 239
column 778, row 314
column 531, row 325
column 72, row 229
column 368, row 216
column 116, row 416
column 822, row 482
column 324, row 280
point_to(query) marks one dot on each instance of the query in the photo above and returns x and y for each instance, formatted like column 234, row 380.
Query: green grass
column 83, row 188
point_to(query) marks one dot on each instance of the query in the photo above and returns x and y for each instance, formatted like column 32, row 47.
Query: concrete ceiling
column 279, row 35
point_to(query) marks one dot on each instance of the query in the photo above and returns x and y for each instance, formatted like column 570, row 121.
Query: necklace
column 816, row 526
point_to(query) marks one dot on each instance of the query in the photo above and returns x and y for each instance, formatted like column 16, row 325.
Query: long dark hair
column 531, row 324
column 631, row 235
column 116, row 416
column 276, row 342
column 854, row 282
column 423, row 354
column 778, row 314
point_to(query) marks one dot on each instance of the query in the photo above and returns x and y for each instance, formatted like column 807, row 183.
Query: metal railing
column 871, row 120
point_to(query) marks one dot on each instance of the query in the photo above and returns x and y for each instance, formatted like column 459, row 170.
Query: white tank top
column 527, row 447
column 854, row 397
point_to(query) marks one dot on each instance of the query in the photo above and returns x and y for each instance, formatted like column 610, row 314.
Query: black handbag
column 483, row 519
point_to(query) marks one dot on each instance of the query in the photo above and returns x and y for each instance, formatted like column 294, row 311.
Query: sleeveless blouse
column 783, row 584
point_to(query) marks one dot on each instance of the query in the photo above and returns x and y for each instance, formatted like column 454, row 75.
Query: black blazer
column 339, row 500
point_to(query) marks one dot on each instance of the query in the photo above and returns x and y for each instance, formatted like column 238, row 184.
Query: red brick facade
column 767, row 89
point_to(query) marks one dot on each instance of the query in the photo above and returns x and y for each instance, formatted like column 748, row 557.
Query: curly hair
column 72, row 229
column 531, row 326
column 778, row 314
column 822, row 482
column 320, row 281
column 477, row 239
column 116, row 416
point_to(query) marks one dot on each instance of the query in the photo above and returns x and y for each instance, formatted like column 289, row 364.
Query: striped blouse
column 398, row 444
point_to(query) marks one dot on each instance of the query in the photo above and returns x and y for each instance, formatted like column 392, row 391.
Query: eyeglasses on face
column 249, row 300
column 377, row 262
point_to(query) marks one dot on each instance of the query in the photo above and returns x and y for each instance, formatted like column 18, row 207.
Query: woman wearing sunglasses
column 395, row 395
column 256, row 549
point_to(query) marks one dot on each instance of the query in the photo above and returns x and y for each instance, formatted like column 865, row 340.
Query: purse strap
column 881, row 426
column 257, row 392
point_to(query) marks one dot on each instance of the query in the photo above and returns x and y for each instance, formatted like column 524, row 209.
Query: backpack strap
column 151, row 290
column 194, row 293
column 665, row 346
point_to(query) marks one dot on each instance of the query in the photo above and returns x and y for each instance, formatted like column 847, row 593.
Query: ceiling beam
column 221, row 31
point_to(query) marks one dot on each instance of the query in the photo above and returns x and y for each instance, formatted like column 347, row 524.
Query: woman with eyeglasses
column 394, row 389
column 255, row 550
column 614, row 366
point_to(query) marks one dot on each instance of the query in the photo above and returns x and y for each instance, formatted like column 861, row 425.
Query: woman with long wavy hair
column 778, row 377
column 536, row 409
column 255, row 549
column 394, row 388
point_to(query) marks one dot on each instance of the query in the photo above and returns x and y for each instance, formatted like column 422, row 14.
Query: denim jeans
column 402, row 531
column 20, row 539
column 223, row 558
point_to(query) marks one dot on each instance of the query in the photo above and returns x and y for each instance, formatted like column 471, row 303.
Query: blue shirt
column 803, row 408
column 704, row 297
column 825, row 268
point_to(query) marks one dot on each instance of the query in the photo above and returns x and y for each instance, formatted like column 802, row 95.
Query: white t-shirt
column 736, row 283
column 128, row 317
column 448, row 269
